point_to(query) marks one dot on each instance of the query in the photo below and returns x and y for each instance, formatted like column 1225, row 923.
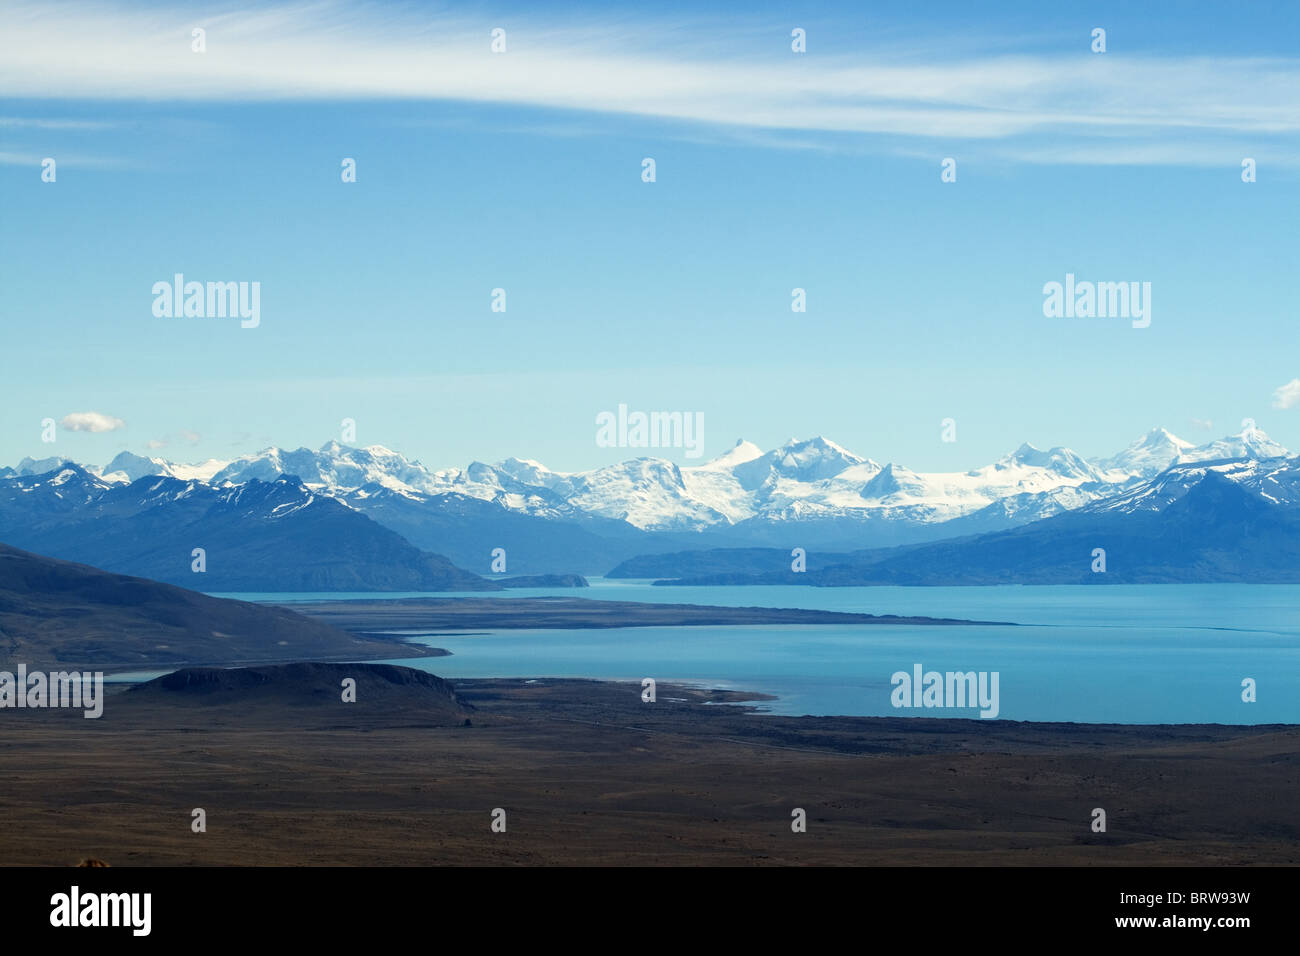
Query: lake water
column 1112, row 653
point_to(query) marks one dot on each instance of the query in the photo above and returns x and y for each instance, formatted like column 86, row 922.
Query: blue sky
column 522, row 171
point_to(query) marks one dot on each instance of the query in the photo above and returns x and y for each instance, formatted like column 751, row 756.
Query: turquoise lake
column 1113, row 653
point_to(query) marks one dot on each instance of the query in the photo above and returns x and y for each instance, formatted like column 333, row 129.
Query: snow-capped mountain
column 34, row 498
column 256, row 535
column 816, row 459
column 38, row 466
column 812, row 480
column 335, row 467
column 1249, row 443
column 739, row 453
column 127, row 467
column 812, row 493
column 1149, row 455
column 1275, row 479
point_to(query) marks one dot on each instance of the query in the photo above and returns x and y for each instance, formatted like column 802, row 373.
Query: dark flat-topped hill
column 381, row 690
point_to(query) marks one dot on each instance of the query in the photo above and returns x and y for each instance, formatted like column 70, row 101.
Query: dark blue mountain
column 258, row 536
column 468, row 529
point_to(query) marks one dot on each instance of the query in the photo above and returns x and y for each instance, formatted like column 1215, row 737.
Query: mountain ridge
column 811, row 493
column 801, row 479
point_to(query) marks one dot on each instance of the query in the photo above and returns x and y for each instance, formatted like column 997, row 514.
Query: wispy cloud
column 1288, row 395
column 91, row 422
column 186, row 435
column 26, row 122
column 1109, row 108
column 65, row 159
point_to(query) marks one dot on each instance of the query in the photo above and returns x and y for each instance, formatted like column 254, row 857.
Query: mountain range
column 344, row 518
column 1221, row 521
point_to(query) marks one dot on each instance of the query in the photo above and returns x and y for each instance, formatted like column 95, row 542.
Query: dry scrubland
column 588, row 774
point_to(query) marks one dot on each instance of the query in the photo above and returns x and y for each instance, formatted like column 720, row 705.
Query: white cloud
column 1288, row 395
column 1131, row 108
column 1202, row 423
column 91, row 422
column 155, row 443
column 189, row 436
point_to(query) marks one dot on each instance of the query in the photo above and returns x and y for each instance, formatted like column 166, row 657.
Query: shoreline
column 704, row 691
column 739, row 699
column 357, row 616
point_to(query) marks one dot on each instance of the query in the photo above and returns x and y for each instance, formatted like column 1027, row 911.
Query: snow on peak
column 737, row 454
column 1163, row 435
column 893, row 480
column 528, row 472
column 813, row 459
column 39, row 466
column 1159, row 449
column 198, row 471
column 1058, row 461
column 335, row 467
column 803, row 479
column 1149, row 455
column 819, row 446
column 1249, row 443
column 1026, row 454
